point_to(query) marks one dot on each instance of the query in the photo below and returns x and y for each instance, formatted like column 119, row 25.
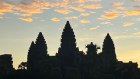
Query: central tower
column 68, row 50
column 108, row 52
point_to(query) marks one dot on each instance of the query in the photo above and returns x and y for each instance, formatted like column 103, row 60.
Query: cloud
column 25, row 15
column 85, row 14
column 71, row 17
column 80, row 1
column 94, row 28
column 4, row 10
column 106, row 23
column 27, row 19
column 15, row 2
column 96, row 0
column 63, row 11
column 121, row 8
column 84, row 21
column 5, row 7
column 111, row 14
column 55, row 19
column 128, row 23
column 137, row 33
column 132, row 13
column 117, row 4
column 42, row 5
column 78, row 9
column 92, row 6
column 66, row 1
column 84, row 1
column 19, row 7
column 135, row 0
column 29, row 9
column 24, row 6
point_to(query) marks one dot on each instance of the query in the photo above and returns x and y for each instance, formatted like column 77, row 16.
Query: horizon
column 91, row 20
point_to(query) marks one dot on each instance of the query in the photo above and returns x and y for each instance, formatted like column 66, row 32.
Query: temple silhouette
column 69, row 62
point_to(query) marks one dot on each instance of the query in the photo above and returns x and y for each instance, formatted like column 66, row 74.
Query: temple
column 6, row 64
column 69, row 62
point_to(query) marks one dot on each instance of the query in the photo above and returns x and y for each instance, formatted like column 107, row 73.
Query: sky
column 22, row 20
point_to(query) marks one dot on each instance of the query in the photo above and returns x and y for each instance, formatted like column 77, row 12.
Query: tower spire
column 108, row 51
column 67, row 25
column 30, row 57
column 68, row 49
column 41, row 44
column 108, row 45
column 37, row 54
column 68, row 41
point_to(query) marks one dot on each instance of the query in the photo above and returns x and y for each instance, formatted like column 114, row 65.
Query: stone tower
column 37, row 54
column 6, row 64
column 68, row 50
column 41, row 45
column 108, row 51
column 31, row 57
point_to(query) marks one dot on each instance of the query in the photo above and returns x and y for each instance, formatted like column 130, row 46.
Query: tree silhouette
column 22, row 66
column 92, row 49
